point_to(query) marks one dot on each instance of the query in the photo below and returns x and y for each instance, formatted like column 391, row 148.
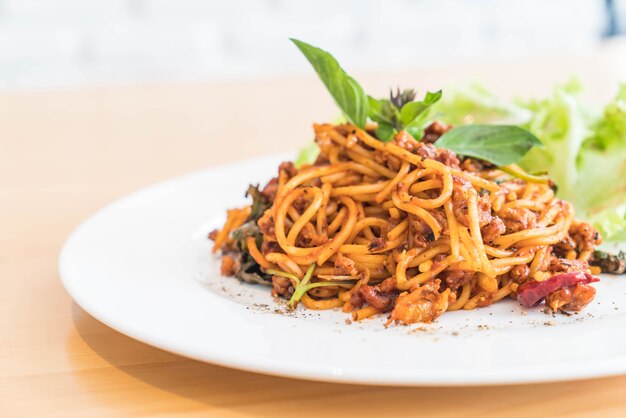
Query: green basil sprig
column 401, row 113
column 498, row 144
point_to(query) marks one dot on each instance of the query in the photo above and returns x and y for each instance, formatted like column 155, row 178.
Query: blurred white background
column 69, row 43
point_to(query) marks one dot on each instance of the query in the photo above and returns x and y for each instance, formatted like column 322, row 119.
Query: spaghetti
column 407, row 229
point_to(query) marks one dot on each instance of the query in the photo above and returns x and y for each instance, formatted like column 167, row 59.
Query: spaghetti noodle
column 407, row 229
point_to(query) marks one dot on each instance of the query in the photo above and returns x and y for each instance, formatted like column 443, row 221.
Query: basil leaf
column 416, row 131
column 391, row 113
column 383, row 111
column 378, row 111
column 348, row 94
column 410, row 117
column 412, row 110
column 385, row 132
column 260, row 203
column 499, row 144
column 386, row 115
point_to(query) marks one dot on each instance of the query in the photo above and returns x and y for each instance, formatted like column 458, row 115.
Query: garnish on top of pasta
column 387, row 218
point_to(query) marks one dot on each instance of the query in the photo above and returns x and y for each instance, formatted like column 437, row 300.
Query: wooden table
column 64, row 154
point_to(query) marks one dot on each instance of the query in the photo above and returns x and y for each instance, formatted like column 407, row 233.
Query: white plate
column 143, row 266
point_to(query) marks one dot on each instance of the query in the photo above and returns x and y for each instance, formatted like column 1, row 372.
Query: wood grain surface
column 64, row 154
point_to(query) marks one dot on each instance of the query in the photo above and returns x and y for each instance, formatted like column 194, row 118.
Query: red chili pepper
column 531, row 293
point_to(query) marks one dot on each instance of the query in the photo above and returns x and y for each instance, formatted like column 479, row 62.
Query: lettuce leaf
column 307, row 155
column 611, row 223
column 562, row 125
column 585, row 153
column 603, row 165
column 475, row 104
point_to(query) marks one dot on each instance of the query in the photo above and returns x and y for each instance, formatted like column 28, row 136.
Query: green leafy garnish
column 260, row 203
column 609, row 263
column 527, row 177
column 307, row 155
column 474, row 104
column 302, row 286
column 498, row 144
column 410, row 111
column 348, row 94
column 292, row 277
column 250, row 271
column 401, row 112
